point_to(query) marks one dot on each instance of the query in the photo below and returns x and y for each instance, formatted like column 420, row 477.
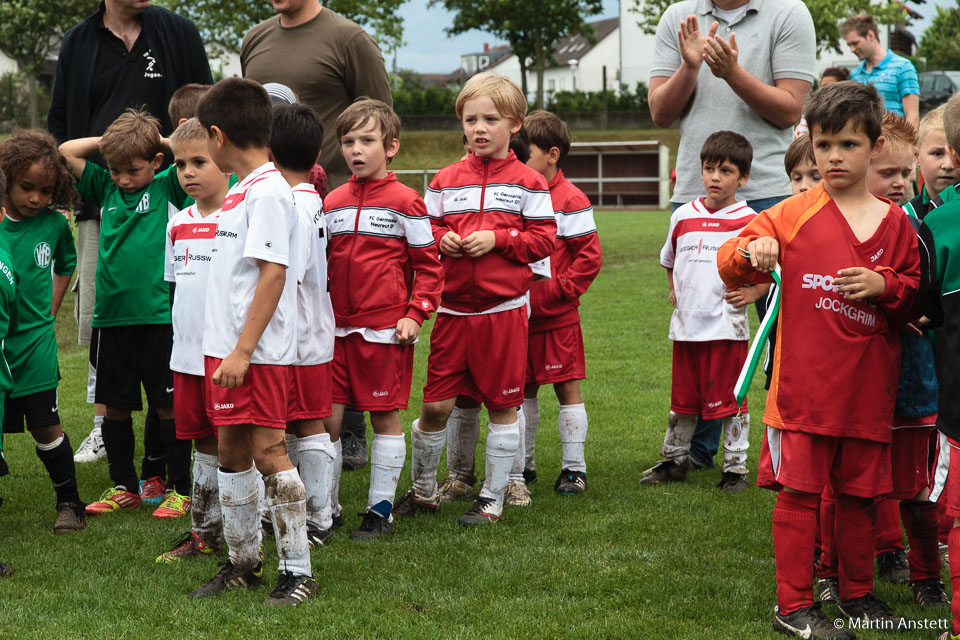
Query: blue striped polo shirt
column 893, row 78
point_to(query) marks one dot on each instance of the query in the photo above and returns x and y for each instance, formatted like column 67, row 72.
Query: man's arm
column 911, row 109
column 669, row 95
column 75, row 152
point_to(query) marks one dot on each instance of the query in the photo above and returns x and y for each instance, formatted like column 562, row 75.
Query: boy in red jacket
column 379, row 236
column 491, row 217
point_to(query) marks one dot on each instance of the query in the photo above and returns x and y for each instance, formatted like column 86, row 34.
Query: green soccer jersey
column 130, row 285
column 9, row 285
column 40, row 246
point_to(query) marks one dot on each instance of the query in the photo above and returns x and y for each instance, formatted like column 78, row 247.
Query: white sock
column 292, row 450
column 502, row 443
column 241, row 528
column 335, row 480
column 736, row 441
column 463, row 431
column 262, row 510
column 531, row 410
column 572, row 423
column 425, row 458
column 516, row 470
column 286, row 500
column 676, row 441
column 316, row 455
column 386, row 461
column 206, row 515
column 98, row 421
column 50, row 446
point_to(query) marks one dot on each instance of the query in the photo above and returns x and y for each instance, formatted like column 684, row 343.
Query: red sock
column 857, row 519
column 889, row 536
column 794, row 529
column 818, row 540
column 920, row 521
column 828, row 515
column 954, row 545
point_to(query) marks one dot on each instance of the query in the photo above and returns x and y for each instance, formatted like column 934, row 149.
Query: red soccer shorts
column 311, row 395
column 704, row 375
column 490, row 350
column 910, row 460
column 556, row 355
column 371, row 376
column 807, row 462
column 261, row 400
column 190, row 410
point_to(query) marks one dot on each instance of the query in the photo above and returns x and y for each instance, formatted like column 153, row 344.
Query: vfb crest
column 42, row 254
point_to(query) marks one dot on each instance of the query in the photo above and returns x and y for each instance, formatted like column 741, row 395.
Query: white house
column 636, row 48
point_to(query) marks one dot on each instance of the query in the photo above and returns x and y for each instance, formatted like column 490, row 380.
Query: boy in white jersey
column 294, row 147
column 189, row 248
column 709, row 333
column 250, row 343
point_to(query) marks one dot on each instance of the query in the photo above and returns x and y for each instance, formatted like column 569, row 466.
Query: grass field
column 621, row 561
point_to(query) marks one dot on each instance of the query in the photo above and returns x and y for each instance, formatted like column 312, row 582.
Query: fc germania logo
column 144, row 204
column 42, row 254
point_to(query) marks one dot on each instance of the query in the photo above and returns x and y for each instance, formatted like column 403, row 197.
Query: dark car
column 936, row 87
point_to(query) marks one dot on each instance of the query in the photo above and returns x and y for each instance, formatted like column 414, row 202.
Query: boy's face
column 487, row 131
column 134, row 174
column 890, row 170
column 543, row 162
column 199, row 176
column 364, row 150
column 804, row 176
column 843, row 157
column 936, row 165
column 30, row 192
column 721, row 180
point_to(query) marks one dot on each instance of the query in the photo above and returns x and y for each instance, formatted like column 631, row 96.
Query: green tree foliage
column 531, row 27
column 940, row 44
column 571, row 102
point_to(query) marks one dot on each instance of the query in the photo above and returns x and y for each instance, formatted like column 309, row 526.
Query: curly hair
column 23, row 149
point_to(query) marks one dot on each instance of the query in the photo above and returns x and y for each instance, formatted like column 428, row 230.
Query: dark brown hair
column 241, row 109
column 839, row 73
column 730, row 146
column 834, row 106
column 861, row 23
column 799, row 150
column 362, row 111
column 22, row 150
column 547, row 130
column 296, row 136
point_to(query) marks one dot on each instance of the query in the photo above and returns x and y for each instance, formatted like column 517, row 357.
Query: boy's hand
column 231, row 371
column 742, row 296
column 860, row 283
column 673, row 298
column 407, row 330
column 479, row 243
column 451, row 245
column 764, row 253
column 916, row 327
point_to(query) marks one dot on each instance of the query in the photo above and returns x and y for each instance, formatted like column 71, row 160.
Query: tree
column 532, row 27
column 827, row 16
column 940, row 44
column 29, row 33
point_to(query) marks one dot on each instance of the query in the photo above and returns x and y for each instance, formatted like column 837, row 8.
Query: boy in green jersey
column 41, row 243
column 131, row 316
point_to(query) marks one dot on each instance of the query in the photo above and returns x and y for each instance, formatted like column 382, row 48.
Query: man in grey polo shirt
column 744, row 66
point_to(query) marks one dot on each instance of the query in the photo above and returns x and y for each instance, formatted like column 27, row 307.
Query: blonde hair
column 189, row 131
column 898, row 133
column 506, row 96
column 135, row 134
column 930, row 122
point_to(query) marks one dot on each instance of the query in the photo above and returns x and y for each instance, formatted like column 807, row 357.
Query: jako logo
column 380, row 394
column 815, row 280
column 876, row 256
column 551, row 367
column 218, row 407
column 42, row 255
column 507, row 392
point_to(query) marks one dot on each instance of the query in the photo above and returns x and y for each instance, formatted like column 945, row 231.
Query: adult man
column 127, row 54
column 753, row 83
column 894, row 77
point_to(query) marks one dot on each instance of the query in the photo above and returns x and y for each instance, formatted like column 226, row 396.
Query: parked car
column 936, row 87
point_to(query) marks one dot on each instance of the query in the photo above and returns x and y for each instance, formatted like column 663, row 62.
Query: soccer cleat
column 266, row 525
column 174, row 505
column 482, row 511
column 947, row 635
column 317, row 537
column 189, row 545
column 70, row 518
column 228, row 578
column 410, row 504
column 153, row 490
column 338, row 521
column 828, row 590
column 872, row 611
column 529, row 475
column 451, row 488
column 353, row 441
column 113, row 499
column 570, row 482
column 929, row 594
column 517, row 494
column 91, row 448
column 733, row 482
column 809, row 623
column 893, row 566
column 372, row 526
column 667, row 471
column 291, row 590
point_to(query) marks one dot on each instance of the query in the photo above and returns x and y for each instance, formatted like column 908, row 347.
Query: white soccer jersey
column 314, row 311
column 691, row 251
column 190, row 240
column 258, row 221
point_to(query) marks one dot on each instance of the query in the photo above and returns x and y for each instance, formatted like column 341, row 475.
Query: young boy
column 189, row 250
column 41, row 244
column 491, row 217
column 555, row 344
column 132, row 313
column 709, row 334
column 936, row 165
column 249, row 343
column 801, row 165
column 183, row 103
column 380, row 235
column 850, row 270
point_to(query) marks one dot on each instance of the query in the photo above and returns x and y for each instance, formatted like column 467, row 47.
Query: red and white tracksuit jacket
column 379, row 236
column 506, row 197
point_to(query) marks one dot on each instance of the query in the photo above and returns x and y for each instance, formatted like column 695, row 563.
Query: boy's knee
column 433, row 415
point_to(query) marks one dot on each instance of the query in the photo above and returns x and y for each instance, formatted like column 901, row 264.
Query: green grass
column 621, row 561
